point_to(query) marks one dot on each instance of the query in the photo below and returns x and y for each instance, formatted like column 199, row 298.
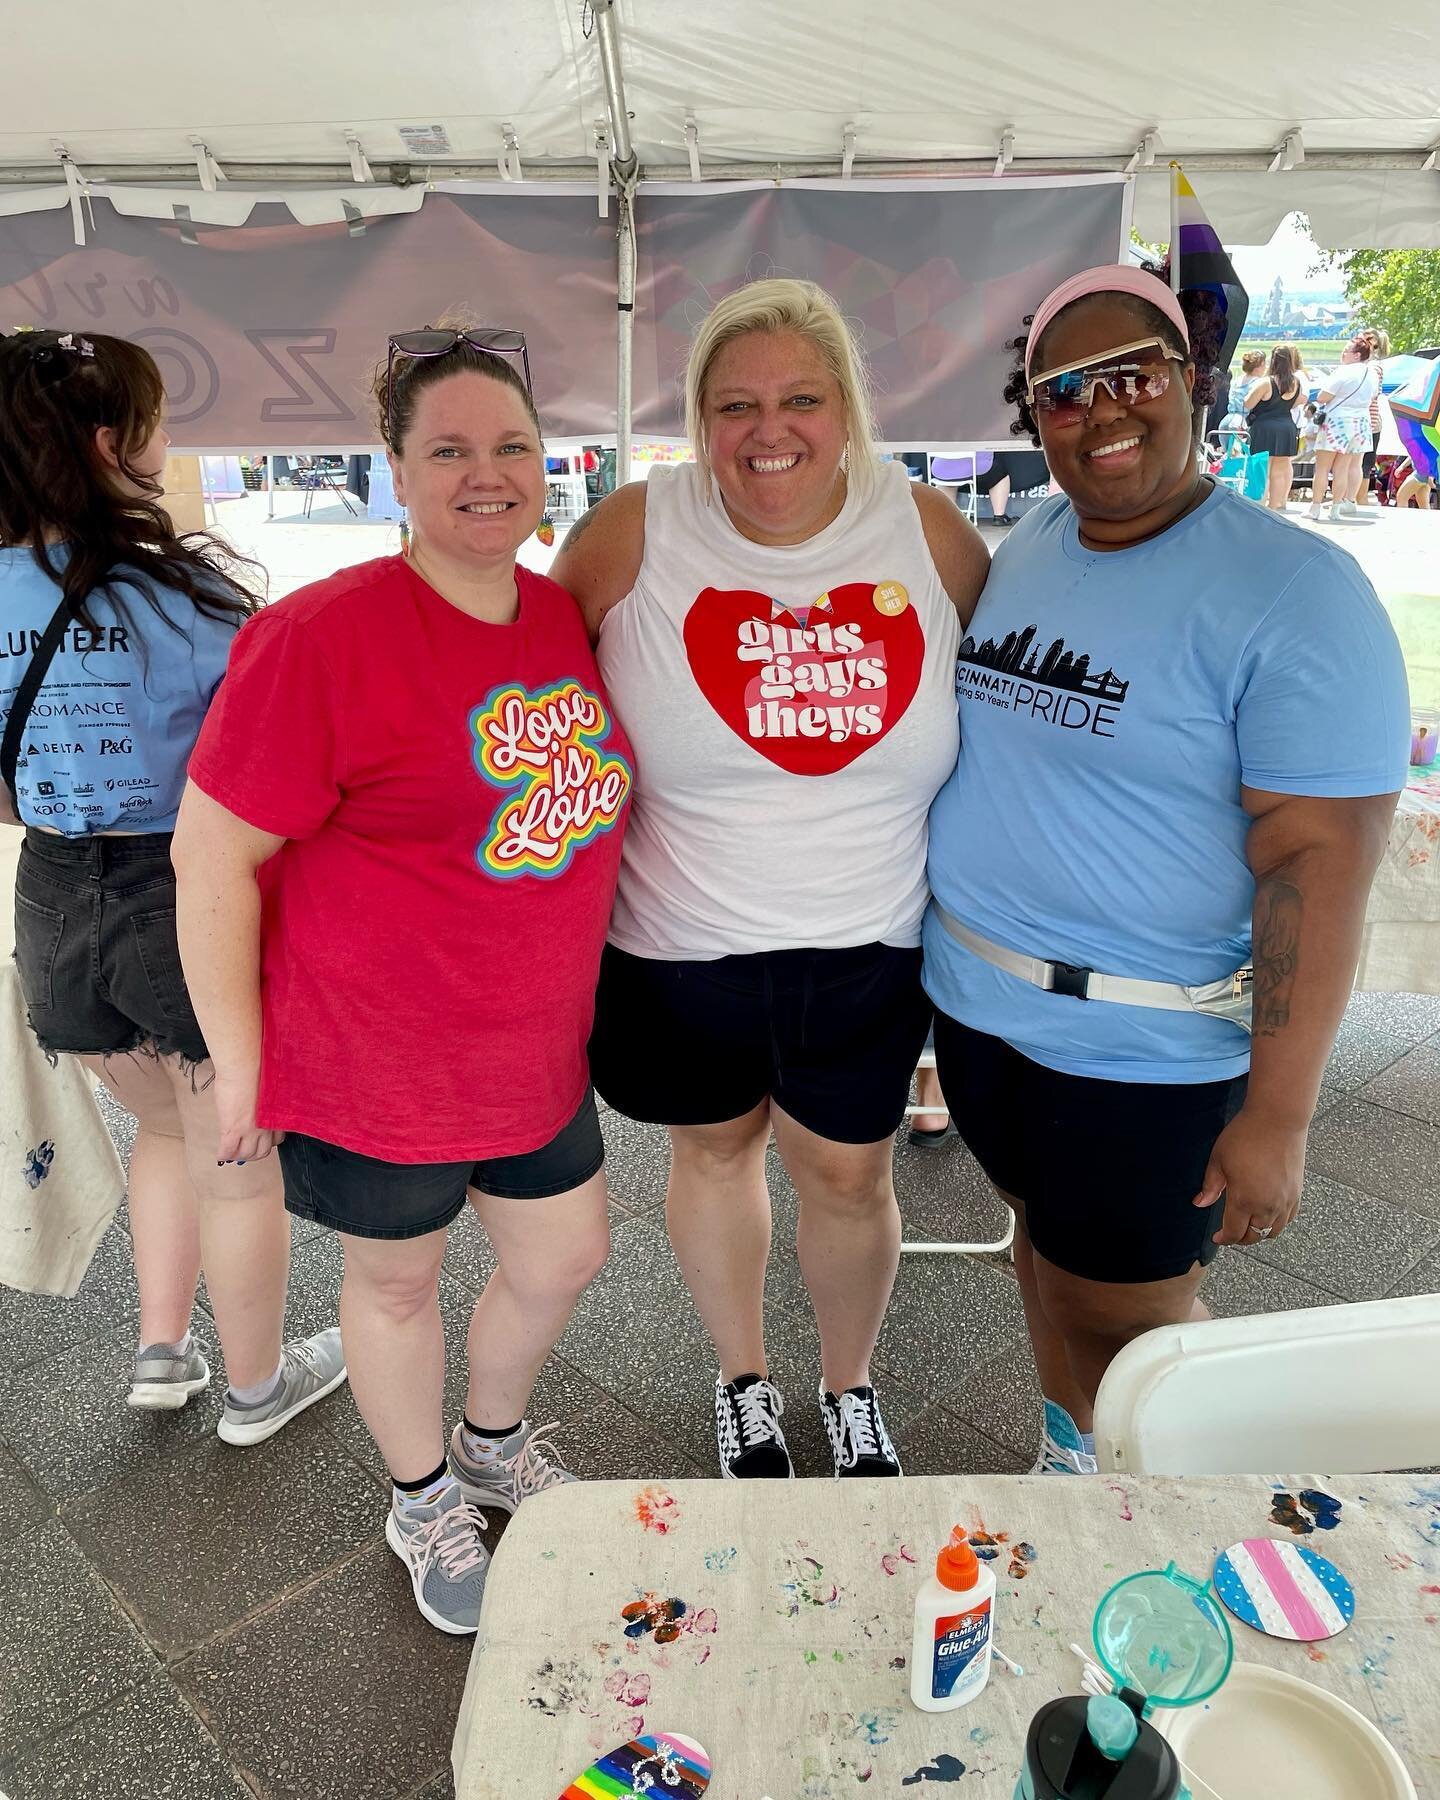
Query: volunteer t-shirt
column 1111, row 705
column 452, row 794
column 115, row 720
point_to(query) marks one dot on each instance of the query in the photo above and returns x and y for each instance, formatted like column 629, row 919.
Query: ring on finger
column 1262, row 1231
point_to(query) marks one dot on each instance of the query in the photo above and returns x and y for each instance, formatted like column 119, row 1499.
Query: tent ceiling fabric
column 765, row 85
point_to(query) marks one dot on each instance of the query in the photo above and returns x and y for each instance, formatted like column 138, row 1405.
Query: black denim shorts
column 95, row 946
column 367, row 1197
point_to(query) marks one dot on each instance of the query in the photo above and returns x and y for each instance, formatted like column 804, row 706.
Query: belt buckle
column 1070, row 979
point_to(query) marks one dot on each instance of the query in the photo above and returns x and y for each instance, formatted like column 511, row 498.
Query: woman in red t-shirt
column 396, row 859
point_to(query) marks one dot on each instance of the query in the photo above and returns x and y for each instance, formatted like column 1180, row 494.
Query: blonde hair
column 780, row 304
column 1252, row 361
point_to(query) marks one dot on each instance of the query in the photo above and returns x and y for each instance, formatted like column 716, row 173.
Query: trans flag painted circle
column 1284, row 1590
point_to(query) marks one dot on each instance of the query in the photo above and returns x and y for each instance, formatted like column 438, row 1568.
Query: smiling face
column 472, row 473
column 776, row 431
column 1123, row 464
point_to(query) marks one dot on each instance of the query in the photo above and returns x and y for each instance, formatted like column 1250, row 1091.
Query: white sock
column 181, row 1347
column 262, row 1390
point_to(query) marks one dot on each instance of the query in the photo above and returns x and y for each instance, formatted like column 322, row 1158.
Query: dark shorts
column 832, row 1036
column 369, row 1198
column 1106, row 1170
column 1367, row 462
column 95, row 946
column 1023, row 469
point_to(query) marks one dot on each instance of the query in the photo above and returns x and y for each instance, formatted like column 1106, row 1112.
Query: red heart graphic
column 809, row 698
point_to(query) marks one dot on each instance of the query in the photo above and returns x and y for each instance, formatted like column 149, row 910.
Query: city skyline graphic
column 1059, row 667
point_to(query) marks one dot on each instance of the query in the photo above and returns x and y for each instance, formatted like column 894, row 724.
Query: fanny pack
column 1228, row 998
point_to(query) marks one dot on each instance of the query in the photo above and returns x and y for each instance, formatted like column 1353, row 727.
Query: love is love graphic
column 547, row 746
column 810, row 687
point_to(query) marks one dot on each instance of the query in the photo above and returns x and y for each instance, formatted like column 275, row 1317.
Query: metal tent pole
column 269, row 485
column 625, row 169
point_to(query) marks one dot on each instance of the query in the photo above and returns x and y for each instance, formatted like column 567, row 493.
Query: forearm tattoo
column 1278, row 906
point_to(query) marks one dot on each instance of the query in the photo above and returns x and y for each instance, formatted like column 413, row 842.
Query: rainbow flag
column 1199, row 260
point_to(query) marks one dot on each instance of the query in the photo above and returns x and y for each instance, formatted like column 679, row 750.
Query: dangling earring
column 405, row 537
column 545, row 530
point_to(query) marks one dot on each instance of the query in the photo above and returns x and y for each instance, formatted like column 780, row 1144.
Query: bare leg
column 1098, row 1318
column 1323, row 462
column 1281, row 474
column 999, row 497
column 548, row 1252
column 717, row 1209
column 928, row 1095
column 395, row 1346
column 848, row 1242
column 1057, row 1379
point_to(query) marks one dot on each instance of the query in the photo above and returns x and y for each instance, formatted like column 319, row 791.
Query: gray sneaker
column 529, row 1465
column 440, row 1545
column 309, row 1370
column 163, row 1382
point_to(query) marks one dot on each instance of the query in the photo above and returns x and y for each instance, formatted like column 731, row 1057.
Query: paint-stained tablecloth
column 60, row 1179
column 792, row 1669
column 1400, row 948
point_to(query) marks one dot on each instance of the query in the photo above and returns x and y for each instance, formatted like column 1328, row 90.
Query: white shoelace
column 456, row 1551
column 855, row 1432
column 756, row 1409
column 1055, row 1460
column 531, row 1468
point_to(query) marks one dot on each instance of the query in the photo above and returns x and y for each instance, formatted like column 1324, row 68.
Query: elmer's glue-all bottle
column 950, row 1651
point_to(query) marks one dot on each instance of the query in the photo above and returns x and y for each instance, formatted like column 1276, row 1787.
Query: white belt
column 1228, row 998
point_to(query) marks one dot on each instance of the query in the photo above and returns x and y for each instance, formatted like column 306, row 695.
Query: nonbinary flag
column 1199, row 260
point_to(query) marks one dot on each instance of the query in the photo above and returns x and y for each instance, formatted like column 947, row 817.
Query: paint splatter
column 1400, row 1562
column 560, row 1687
column 897, row 1662
column 805, row 1583
column 631, row 1691
column 902, row 1553
column 657, row 1509
column 1124, row 1496
column 980, row 1735
column 944, row 1768
column 653, row 1613
column 1021, row 1557
column 547, row 1556
column 1315, row 1655
column 1430, row 1590
column 37, row 1163
column 721, row 1562
column 877, row 1727
column 1312, row 1511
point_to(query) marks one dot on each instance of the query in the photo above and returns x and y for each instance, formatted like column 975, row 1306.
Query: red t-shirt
column 453, row 795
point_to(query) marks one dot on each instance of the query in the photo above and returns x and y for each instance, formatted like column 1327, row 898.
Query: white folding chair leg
column 927, row 1061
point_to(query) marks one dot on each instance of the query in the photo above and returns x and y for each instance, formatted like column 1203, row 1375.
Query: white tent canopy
column 181, row 95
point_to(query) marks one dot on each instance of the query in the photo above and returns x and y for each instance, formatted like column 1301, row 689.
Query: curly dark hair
column 56, row 391
column 1205, row 318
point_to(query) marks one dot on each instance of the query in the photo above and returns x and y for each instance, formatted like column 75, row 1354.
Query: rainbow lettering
column 563, row 788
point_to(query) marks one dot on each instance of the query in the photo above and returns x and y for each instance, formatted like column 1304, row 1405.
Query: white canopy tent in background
column 197, row 112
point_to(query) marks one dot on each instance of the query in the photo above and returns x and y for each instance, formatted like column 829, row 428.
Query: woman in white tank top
column 777, row 625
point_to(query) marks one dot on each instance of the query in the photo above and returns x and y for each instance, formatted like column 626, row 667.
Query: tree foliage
column 1397, row 290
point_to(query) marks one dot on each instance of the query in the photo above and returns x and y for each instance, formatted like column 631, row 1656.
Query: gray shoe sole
column 396, row 1541
column 244, row 1435
column 165, row 1396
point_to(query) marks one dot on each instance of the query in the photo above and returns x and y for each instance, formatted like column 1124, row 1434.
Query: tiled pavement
column 183, row 1621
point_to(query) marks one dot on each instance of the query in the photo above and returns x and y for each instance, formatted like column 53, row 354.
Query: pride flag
column 1198, row 260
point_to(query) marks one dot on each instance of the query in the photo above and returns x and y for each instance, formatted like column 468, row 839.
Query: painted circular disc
column 1284, row 1590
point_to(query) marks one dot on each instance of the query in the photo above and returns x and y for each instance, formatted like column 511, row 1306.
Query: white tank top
column 792, row 710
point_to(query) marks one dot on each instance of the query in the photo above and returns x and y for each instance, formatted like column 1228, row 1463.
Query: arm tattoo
column 581, row 526
column 1278, row 906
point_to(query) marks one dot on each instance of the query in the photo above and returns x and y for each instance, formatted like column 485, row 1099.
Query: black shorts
column 1023, row 469
column 832, row 1036
column 95, row 946
column 367, row 1197
column 1106, row 1170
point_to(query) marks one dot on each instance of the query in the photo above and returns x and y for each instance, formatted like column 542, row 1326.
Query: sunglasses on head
column 494, row 340
column 1132, row 375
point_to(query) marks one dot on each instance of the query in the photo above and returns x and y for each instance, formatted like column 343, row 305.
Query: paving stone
column 1384, row 1153
column 33, row 1327
column 66, row 1418
column 637, row 1161
column 1424, row 1278
column 65, row 1646
column 1002, row 1399
column 1411, row 1085
column 442, row 1787
column 1412, row 1016
column 1362, row 1049
column 343, row 1689
column 21, row 1503
column 945, row 1196
column 147, row 1745
column 947, row 1314
column 940, row 1442
column 1236, row 1285
column 1348, row 1242
column 611, row 1444
column 243, row 1526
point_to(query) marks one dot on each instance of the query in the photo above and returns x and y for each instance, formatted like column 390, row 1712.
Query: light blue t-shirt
column 116, row 718
column 1111, row 705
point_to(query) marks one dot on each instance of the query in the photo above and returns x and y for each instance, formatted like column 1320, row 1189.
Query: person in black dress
column 1270, row 405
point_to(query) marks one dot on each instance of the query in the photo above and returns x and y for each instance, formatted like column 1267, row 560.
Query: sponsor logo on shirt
column 810, row 687
column 564, row 788
column 1054, row 686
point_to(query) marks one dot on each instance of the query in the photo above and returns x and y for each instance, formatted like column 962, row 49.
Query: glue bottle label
column 960, row 1641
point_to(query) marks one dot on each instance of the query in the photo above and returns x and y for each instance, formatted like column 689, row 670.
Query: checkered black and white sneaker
column 747, row 1430
column 858, row 1438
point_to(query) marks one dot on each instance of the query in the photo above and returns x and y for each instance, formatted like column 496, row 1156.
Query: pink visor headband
column 1109, row 278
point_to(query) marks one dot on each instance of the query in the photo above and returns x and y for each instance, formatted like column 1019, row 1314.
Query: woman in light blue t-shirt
column 126, row 627
column 1183, row 728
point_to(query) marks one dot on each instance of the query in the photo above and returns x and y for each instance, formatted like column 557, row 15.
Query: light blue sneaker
column 1062, row 1448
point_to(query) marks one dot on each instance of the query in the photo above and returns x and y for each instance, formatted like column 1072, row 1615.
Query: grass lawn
column 1416, row 618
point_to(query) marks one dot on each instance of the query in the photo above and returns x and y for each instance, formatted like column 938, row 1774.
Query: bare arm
column 956, row 548
column 1260, row 391
column 217, row 913
column 1313, row 862
column 600, row 559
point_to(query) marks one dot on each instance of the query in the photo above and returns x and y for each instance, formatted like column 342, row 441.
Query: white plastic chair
column 1343, row 1388
column 927, row 1061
